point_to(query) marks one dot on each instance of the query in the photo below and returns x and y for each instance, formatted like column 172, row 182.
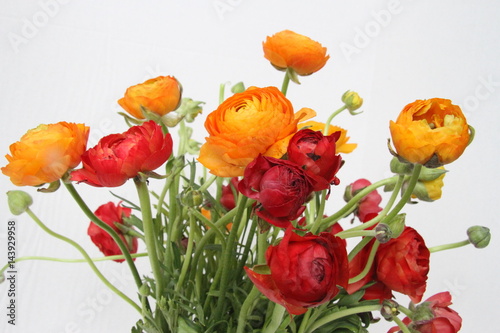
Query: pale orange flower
column 431, row 132
column 45, row 153
column 160, row 95
column 341, row 146
column 288, row 49
column 256, row 121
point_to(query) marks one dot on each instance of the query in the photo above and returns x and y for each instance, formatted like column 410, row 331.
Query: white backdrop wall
column 68, row 60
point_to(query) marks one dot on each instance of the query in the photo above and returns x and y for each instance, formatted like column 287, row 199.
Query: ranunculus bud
column 18, row 201
column 191, row 198
column 352, row 100
column 397, row 225
column 479, row 236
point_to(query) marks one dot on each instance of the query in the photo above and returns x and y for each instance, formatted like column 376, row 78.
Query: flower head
column 315, row 153
column 431, row 132
column 110, row 214
column 403, row 264
column 287, row 49
column 281, row 188
column 45, row 153
column 118, row 157
column 305, row 271
column 159, row 95
column 256, row 121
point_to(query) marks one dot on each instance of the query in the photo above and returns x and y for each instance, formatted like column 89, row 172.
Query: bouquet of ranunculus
column 237, row 237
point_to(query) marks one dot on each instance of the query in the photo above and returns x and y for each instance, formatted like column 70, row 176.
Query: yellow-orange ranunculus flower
column 341, row 145
column 288, row 49
column 256, row 121
column 431, row 132
column 45, row 153
column 159, row 95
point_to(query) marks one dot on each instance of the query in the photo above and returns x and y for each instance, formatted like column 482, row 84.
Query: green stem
column 333, row 115
column 368, row 265
column 286, row 82
column 227, row 257
column 407, row 312
column 121, row 244
column 149, row 234
column 356, row 233
column 340, row 314
column 71, row 261
column 305, row 321
column 359, row 247
column 87, row 259
column 246, row 309
column 448, row 246
column 360, row 195
column 276, row 319
column 207, row 184
column 407, row 193
column 401, row 325
column 189, row 252
column 319, row 213
column 222, row 88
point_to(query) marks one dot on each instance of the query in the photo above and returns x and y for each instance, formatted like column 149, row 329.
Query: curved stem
column 449, row 246
column 356, row 233
column 401, row 325
column 87, row 259
column 407, row 193
column 343, row 313
column 276, row 319
column 333, row 115
column 246, row 309
column 360, row 195
column 149, row 234
column 71, row 261
column 123, row 247
column 368, row 265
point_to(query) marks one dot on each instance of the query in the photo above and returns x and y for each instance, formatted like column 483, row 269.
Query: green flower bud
column 19, row 201
column 422, row 312
column 389, row 309
column 479, row 236
column 238, row 87
column 383, row 233
column 192, row 198
column 352, row 100
column 428, row 174
column 144, row 290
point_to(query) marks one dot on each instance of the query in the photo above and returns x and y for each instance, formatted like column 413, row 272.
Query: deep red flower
column 305, row 271
column 281, row 188
column 403, row 264
column 368, row 207
column 110, row 214
column 444, row 319
column 227, row 198
column 315, row 153
column 118, row 157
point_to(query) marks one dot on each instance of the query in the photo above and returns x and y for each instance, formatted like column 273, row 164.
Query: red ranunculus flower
column 281, row 187
column 368, row 207
column 316, row 153
column 110, row 214
column 376, row 291
column 227, row 199
column 403, row 264
column 118, row 157
column 305, row 271
column 444, row 319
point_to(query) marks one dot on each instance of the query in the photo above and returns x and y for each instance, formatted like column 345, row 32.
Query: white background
column 62, row 60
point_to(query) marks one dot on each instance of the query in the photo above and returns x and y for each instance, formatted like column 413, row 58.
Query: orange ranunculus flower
column 45, row 153
column 256, row 121
column 431, row 132
column 160, row 95
column 287, row 49
column 341, row 145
